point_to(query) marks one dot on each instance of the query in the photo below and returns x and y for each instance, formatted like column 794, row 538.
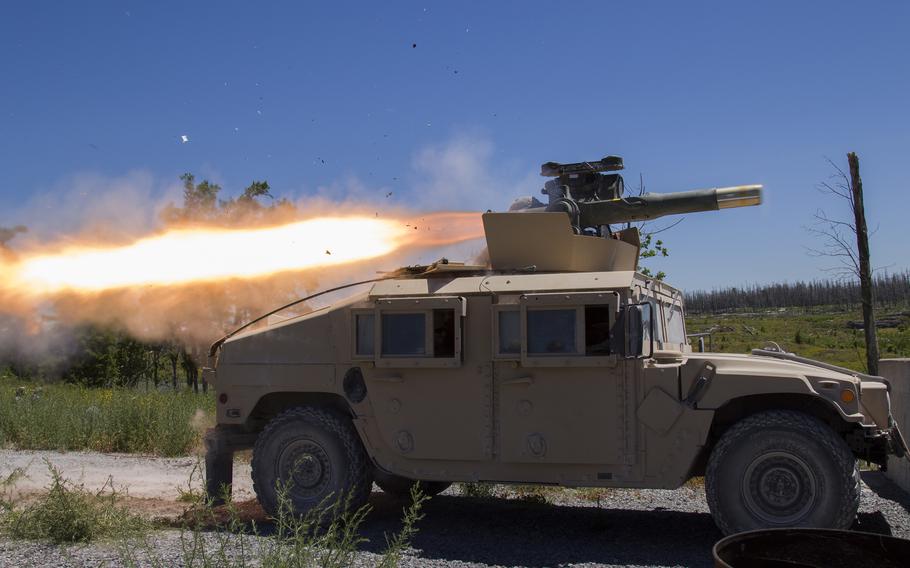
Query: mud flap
column 219, row 467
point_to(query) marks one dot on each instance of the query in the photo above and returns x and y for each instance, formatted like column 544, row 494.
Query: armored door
column 430, row 381
column 562, row 393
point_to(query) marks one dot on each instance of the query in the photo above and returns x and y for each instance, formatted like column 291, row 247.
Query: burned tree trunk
column 865, row 269
column 173, row 356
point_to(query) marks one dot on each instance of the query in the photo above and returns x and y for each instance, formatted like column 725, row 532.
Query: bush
column 327, row 536
column 68, row 513
column 68, row 417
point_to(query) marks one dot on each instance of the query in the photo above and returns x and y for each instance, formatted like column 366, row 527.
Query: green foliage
column 199, row 198
column 650, row 248
column 254, row 190
column 68, row 417
column 68, row 513
column 107, row 358
column 326, row 536
column 397, row 544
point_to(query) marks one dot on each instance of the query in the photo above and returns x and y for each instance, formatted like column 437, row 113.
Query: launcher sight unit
column 591, row 201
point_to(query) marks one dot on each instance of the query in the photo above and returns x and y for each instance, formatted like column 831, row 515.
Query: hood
column 774, row 366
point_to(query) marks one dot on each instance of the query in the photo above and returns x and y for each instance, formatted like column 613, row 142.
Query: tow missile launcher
column 555, row 363
column 583, row 201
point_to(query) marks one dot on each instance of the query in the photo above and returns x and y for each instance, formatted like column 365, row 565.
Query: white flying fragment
column 184, row 138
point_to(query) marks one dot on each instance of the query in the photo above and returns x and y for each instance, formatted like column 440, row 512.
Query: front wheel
column 781, row 469
column 314, row 457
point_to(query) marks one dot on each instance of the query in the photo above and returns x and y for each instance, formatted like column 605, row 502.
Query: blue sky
column 334, row 98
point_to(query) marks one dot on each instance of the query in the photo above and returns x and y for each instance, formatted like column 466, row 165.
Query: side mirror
column 639, row 328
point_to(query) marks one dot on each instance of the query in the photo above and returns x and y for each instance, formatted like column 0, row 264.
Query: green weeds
column 66, row 417
column 327, row 536
column 68, row 513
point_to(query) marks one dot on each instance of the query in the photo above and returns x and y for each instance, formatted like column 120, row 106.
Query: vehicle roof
column 505, row 283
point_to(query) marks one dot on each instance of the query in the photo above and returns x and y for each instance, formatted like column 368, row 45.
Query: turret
column 574, row 230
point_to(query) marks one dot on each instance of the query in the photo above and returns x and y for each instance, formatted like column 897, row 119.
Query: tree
column 847, row 241
column 7, row 234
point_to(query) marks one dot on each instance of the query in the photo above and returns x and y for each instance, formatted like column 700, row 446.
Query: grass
column 68, row 513
column 819, row 333
column 328, row 536
column 210, row 537
column 67, row 417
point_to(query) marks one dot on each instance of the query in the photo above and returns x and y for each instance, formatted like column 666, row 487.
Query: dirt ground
column 151, row 485
column 615, row 527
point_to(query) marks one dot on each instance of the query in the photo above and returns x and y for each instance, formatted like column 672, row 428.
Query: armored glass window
column 597, row 330
column 404, row 335
column 551, row 332
column 364, row 334
column 647, row 315
column 443, row 333
column 509, row 332
column 655, row 312
column 676, row 326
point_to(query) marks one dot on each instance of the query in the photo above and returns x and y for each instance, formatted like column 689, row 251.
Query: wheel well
column 739, row 408
column 275, row 403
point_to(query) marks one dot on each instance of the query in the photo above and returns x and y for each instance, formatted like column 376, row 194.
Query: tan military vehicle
column 557, row 363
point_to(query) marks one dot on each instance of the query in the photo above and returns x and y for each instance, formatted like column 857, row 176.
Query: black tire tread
column 359, row 467
column 805, row 424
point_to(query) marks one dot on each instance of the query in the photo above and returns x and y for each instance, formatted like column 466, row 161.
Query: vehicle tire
column 317, row 454
column 781, row 469
column 400, row 487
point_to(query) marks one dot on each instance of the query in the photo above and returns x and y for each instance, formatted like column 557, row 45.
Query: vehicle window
column 510, row 332
column 597, row 330
column 676, row 326
column 551, row 332
column 658, row 321
column 444, row 333
column 404, row 335
column 365, row 335
column 647, row 316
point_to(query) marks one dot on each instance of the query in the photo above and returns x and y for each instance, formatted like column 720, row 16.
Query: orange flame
column 188, row 256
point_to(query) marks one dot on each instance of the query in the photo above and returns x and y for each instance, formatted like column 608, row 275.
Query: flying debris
column 184, row 138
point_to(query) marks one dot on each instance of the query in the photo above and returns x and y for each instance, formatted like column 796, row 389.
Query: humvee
column 556, row 363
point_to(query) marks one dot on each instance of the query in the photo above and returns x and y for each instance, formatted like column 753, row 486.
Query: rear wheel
column 781, row 469
column 314, row 453
column 400, row 487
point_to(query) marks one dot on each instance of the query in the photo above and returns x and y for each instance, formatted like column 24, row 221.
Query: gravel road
column 645, row 528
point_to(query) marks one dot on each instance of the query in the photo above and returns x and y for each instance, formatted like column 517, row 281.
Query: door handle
column 519, row 381
column 392, row 379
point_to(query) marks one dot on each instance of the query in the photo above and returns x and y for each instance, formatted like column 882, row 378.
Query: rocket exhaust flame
column 203, row 255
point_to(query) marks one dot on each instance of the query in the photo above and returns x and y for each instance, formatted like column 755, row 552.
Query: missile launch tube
column 654, row 205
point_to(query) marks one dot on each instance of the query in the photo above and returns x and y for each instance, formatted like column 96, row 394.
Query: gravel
column 627, row 527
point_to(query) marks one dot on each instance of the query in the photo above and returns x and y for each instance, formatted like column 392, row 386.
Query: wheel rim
column 304, row 466
column 779, row 488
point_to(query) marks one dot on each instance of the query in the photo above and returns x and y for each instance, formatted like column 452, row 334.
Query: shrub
column 327, row 536
column 68, row 513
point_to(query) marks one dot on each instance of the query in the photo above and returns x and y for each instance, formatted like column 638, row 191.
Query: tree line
column 890, row 290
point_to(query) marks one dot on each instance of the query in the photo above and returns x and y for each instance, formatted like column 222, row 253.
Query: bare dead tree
column 847, row 241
